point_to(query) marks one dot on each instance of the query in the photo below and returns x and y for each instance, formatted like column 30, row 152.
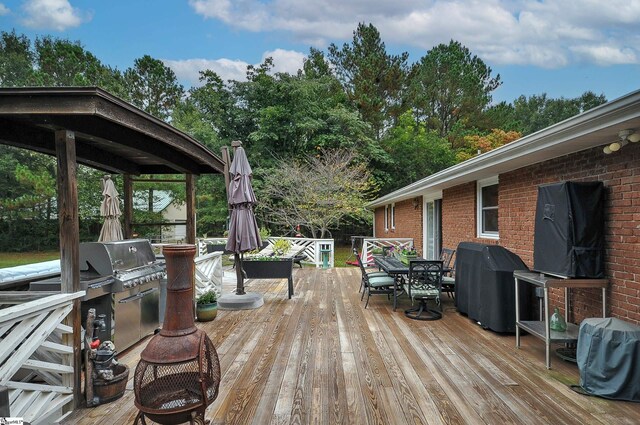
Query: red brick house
column 492, row 199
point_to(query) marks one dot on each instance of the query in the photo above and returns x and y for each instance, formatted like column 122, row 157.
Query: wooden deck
column 321, row 358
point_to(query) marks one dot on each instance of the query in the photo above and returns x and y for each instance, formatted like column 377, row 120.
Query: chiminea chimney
column 178, row 375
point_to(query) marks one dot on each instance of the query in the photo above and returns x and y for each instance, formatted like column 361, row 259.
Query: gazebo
column 87, row 125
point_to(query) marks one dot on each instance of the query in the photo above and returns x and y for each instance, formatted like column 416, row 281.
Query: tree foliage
column 479, row 144
column 448, row 85
column 392, row 121
column 372, row 78
column 153, row 87
column 316, row 193
column 415, row 152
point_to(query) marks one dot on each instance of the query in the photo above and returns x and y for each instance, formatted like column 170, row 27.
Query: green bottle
column 557, row 322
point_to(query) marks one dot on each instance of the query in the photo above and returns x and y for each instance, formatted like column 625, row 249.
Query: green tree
column 64, row 63
column 317, row 193
column 538, row 111
column 450, row 85
column 16, row 60
column 373, row 79
column 415, row 153
column 316, row 65
column 153, row 87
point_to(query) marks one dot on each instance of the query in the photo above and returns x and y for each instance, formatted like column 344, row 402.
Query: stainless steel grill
column 122, row 280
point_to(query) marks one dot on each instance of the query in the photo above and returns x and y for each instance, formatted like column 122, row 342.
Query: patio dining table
column 396, row 268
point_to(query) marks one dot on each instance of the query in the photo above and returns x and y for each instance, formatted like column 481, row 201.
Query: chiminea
column 179, row 372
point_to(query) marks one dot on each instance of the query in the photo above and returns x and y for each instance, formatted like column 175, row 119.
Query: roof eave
column 557, row 140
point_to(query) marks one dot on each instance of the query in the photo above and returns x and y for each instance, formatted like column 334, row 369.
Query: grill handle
column 138, row 296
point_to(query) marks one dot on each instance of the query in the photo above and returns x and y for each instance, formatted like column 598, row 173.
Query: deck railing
column 209, row 273
column 36, row 354
column 369, row 244
column 312, row 249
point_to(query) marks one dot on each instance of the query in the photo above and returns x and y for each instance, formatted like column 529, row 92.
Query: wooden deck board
column 322, row 358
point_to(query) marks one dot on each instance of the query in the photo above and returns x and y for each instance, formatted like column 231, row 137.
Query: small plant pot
column 206, row 312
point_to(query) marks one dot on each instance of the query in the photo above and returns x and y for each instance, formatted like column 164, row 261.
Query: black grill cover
column 569, row 230
column 607, row 355
column 485, row 289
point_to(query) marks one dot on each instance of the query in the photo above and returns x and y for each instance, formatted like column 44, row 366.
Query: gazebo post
column 128, row 206
column 65, row 142
column 191, row 209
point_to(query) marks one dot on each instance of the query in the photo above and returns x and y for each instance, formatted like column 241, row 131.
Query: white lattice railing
column 369, row 244
column 36, row 362
column 203, row 242
column 312, row 249
column 208, row 273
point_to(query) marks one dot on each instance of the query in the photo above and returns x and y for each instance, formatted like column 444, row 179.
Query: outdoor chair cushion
column 381, row 281
column 423, row 291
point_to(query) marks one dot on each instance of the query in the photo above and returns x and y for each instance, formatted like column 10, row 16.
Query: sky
column 558, row 47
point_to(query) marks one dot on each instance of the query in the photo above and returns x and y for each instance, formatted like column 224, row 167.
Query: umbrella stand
column 239, row 274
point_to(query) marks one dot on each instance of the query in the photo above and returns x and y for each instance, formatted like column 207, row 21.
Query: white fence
column 36, row 355
column 369, row 244
column 313, row 250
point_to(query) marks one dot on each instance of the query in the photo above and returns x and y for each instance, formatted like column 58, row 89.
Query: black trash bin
column 485, row 289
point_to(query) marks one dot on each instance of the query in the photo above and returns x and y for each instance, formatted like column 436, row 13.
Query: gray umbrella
column 110, row 210
column 244, row 234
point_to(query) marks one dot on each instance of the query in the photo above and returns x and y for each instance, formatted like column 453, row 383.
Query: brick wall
column 408, row 221
column 459, row 208
column 620, row 173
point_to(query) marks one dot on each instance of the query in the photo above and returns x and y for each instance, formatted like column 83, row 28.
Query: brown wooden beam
column 128, row 206
column 191, row 209
column 160, row 180
column 40, row 140
column 69, row 247
column 147, row 145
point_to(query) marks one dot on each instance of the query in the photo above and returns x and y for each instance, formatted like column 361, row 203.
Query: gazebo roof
column 111, row 134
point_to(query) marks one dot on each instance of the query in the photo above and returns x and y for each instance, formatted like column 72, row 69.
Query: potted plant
column 207, row 306
column 407, row 254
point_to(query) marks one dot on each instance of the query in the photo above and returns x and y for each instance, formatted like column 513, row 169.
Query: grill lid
column 106, row 258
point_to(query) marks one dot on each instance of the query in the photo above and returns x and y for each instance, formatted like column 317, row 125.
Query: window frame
column 480, row 184
column 393, row 216
column 386, row 218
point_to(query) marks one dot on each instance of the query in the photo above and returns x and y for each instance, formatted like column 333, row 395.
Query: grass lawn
column 342, row 254
column 10, row 259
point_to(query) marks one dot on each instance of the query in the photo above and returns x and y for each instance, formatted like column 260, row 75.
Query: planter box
column 270, row 269
column 406, row 258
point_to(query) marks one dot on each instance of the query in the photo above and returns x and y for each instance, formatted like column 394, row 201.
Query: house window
column 488, row 208
column 393, row 216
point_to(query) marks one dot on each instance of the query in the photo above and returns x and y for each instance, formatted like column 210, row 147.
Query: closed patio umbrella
column 244, row 234
column 110, row 210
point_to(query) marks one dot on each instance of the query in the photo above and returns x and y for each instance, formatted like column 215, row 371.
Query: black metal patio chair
column 424, row 284
column 375, row 283
column 370, row 273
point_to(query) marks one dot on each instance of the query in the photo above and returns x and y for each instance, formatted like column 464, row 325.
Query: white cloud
column 547, row 33
column 607, row 55
column 4, row 10
column 188, row 70
column 52, row 14
column 285, row 60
